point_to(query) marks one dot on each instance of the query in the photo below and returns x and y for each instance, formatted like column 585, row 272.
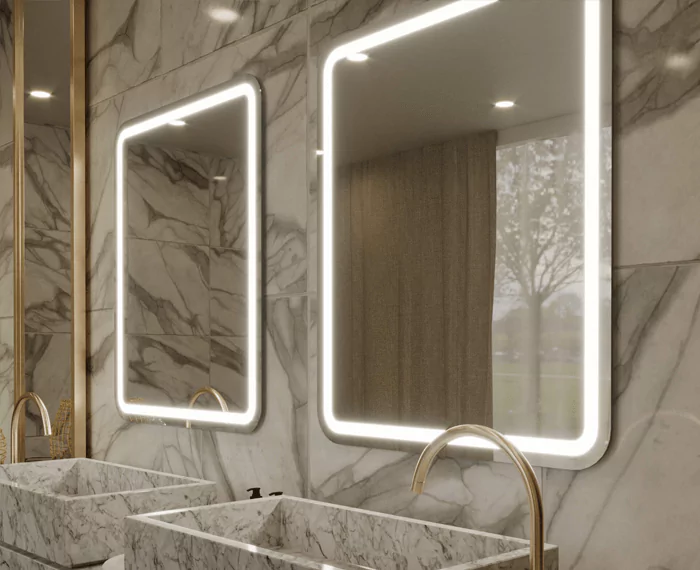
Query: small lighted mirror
column 188, row 261
column 465, row 242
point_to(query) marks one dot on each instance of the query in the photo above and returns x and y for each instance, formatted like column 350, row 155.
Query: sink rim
column 155, row 519
column 39, row 490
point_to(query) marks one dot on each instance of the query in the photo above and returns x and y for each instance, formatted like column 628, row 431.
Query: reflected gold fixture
column 534, row 493
column 18, row 413
column 78, row 224
column 3, row 447
column 61, row 442
column 207, row 390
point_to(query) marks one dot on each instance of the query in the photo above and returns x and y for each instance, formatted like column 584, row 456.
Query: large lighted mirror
column 466, row 222
column 188, row 261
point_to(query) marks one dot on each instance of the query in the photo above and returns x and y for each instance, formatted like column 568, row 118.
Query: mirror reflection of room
column 186, row 320
column 48, row 306
column 459, row 227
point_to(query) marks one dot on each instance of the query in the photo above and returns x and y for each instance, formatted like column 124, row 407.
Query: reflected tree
column 540, row 238
column 539, row 252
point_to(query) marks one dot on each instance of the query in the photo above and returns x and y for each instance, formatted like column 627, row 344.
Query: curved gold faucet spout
column 17, row 414
column 207, row 390
column 534, row 492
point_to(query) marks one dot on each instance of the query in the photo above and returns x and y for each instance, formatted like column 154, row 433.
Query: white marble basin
column 71, row 512
column 287, row 533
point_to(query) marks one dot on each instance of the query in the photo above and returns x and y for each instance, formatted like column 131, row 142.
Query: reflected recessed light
column 219, row 178
column 39, row 94
column 319, row 152
column 504, row 104
column 177, row 123
column 357, row 57
column 680, row 62
column 223, row 15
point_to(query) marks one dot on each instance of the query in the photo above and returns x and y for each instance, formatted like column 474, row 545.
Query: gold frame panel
column 78, row 110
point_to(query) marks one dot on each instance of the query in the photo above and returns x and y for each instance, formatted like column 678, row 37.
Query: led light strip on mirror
column 591, row 444
column 248, row 89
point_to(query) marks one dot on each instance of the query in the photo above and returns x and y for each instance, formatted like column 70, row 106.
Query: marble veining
column 309, row 534
column 70, row 511
column 228, row 208
column 134, row 41
column 47, row 291
column 6, row 230
column 229, row 293
column 168, row 288
column 47, row 177
column 168, row 194
column 276, row 56
column 167, row 369
column 644, row 478
column 7, row 372
column 48, row 373
column 273, row 457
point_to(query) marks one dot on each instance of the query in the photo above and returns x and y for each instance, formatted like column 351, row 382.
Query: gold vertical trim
column 78, row 226
column 18, row 177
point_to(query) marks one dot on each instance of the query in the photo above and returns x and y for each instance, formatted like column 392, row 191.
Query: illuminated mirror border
column 243, row 88
column 577, row 453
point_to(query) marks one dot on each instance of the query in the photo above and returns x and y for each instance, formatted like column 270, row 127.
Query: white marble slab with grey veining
column 13, row 559
column 287, row 532
column 70, row 512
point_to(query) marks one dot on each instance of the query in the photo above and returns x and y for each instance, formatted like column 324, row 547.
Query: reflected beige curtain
column 414, row 250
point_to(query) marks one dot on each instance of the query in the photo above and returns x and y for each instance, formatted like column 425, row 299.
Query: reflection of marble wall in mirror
column 6, row 224
column 185, row 296
column 47, row 269
column 48, row 202
column 186, row 317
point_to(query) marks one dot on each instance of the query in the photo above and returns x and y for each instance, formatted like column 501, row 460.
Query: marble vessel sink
column 71, row 512
column 289, row 533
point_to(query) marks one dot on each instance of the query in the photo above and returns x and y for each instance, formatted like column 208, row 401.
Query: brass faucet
column 534, row 493
column 207, row 390
column 16, row 415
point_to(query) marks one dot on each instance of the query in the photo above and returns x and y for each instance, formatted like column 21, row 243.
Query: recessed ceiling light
column 356, row 57
column 504, row 104
column 223, row 15
column 39, row 94
column 177, row 123
column 319, row 152
column 219, row 178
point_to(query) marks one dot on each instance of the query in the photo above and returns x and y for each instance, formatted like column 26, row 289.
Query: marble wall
column 639, row 506
column 268, row 40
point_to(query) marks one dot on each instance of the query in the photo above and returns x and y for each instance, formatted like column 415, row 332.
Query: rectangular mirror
column 466, row 222
column 188, row 261
column 47, row 234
